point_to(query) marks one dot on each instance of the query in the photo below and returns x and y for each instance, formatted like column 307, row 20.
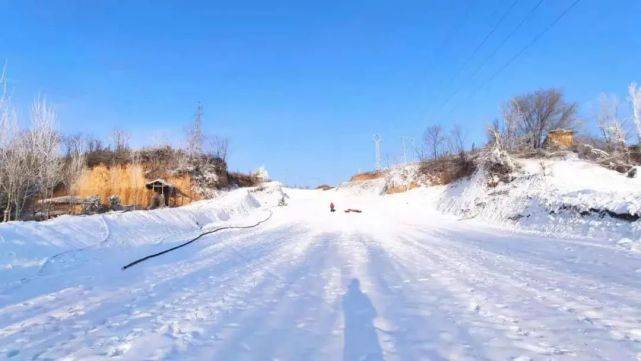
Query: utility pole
column 377, row 149
column 404, row 149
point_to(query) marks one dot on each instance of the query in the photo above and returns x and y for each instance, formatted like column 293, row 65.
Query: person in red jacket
column 331, row 207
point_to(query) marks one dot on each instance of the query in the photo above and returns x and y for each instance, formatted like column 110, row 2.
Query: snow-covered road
column 398, row 281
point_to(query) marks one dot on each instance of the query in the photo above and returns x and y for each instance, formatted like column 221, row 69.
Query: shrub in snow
column 400, row 179
column 237, row 179
column 446, row 170
column 498, row 165
column 261, row 174
column 208, row 175
column 93, row 205
column 114, row 203
column 619, row 159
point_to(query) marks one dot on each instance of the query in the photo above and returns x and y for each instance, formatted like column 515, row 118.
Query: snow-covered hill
column 400, row 280
column 563, row 196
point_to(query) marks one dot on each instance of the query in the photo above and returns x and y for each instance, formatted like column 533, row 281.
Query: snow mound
column 393, row 180
column 404, row 178
column 27, row 248
column 261, row 174
column 269, row 194
column 568, row 197
column 365, row 187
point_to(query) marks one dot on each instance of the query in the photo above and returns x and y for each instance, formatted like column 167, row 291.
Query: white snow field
column 399, row 281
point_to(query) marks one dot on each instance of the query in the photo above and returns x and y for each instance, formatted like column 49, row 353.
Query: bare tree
column 434, row 141
column 493, row 132
column 456, row 139
column 44, row 146
column 512, row 119
column 610, row 124
column 120, row 140
column 539, row 112
column 9, row 165
column 94, row 145
column 30, row 163
column 160, row 139
column 635, row 100
column 120, row 143
column 75, row 158
column 12, row 173
column 218, row 147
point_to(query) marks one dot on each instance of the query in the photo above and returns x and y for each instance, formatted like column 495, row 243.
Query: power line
column 451, row 33
column 508, row 37
column 531, row 43
column 525, row 48
column 494, row 51
column 454, row 30
column 476, row 50
column 487, row 36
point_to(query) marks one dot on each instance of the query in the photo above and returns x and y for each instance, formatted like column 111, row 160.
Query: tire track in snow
column 411, row 322
column 596, row 302
column 468, row 277
column 294, row 310
column 241, row 274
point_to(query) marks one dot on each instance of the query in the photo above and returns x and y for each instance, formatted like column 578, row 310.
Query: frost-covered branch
column 635, row 100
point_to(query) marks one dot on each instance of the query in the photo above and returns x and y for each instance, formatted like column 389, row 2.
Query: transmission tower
column 407, row 142
column 377, row 148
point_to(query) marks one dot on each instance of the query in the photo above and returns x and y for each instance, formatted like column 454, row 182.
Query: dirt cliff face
column 367, row 176
column 127, row 181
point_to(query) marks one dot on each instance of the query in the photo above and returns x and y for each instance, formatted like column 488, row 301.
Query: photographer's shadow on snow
column 361, row 341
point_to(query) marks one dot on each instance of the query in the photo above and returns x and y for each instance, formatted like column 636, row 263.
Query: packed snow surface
column 400, row 280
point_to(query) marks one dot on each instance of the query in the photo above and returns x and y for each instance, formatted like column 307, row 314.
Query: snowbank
column 562, row 196
column 366, row 187
column 401, row 179
column 568, row 197
column 27, row 248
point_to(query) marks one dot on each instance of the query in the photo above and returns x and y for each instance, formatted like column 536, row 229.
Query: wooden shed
column 560, row 139
column 165, row 194
column 56, row 206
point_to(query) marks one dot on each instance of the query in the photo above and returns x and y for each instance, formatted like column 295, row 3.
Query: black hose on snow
column 195, row 239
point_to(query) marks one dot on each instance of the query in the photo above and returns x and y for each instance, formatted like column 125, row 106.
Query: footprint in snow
column 12, row 353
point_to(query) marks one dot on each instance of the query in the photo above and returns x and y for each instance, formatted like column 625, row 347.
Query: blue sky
column 301, row 87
